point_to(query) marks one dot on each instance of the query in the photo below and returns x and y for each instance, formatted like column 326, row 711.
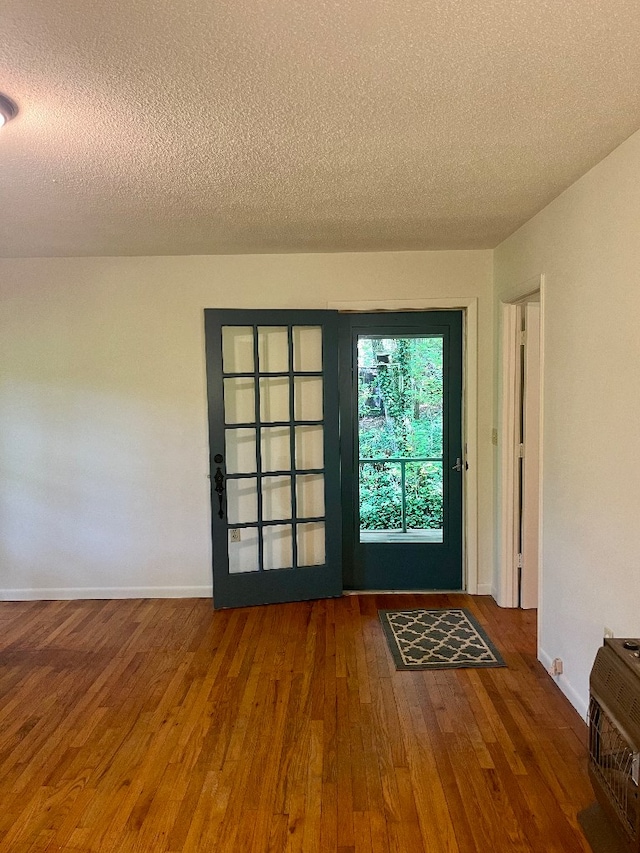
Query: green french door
column 402, row 456
column 272, row 382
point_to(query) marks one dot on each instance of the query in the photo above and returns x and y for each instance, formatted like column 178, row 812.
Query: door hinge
column 521, row 451
column 519, row 566
column 523, row 338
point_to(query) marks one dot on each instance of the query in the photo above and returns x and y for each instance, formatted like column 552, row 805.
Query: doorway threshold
column 399, row 536
column 404, row 592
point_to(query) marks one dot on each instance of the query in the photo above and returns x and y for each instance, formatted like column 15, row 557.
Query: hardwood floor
column 162, row 726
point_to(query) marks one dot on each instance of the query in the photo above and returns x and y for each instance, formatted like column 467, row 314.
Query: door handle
column 458, row 466
column 218, row 479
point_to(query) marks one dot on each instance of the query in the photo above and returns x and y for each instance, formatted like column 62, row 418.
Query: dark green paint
column 415, row 565
column 279, row 585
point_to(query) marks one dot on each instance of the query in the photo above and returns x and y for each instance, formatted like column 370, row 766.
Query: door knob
column 458, row 466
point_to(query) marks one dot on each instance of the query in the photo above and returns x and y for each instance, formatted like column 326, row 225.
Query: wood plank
column 163, row 725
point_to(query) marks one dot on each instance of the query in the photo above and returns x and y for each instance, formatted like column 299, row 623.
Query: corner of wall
column 564, row 685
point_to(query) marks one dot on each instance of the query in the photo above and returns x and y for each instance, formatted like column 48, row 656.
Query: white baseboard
column 71, row 593
column 576, row 699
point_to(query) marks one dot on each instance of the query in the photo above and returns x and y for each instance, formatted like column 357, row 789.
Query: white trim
column 71, row 593
column 470, row 437
column 543, row 296
column 524, row 291
column 483, row 589
column 507, row 592
column 446, row 303
column 401, row 592
column 468, row 304
column 576, row 699
column 529, row 594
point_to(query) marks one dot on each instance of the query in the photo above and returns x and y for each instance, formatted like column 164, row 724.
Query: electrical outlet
column 235, row 534
column 557, row 667
column 608, row 633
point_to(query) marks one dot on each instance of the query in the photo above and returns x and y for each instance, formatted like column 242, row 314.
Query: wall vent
column 614, row 735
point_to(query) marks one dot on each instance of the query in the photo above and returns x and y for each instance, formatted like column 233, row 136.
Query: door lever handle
column 219, row 489
column 218, row 479
column 458, row 466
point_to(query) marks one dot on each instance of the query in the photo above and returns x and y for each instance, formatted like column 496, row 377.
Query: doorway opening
column 520, row 452
column 402, row 450
column 277, row 456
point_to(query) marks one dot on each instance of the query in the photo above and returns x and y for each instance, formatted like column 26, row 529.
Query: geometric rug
column 437, row 639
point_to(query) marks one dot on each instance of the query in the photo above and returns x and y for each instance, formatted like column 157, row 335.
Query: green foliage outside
column 400, row 417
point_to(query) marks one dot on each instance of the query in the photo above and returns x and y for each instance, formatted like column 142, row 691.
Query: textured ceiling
column 153, row 127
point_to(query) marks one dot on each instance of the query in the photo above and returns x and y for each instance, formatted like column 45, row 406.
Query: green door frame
column 368, row 566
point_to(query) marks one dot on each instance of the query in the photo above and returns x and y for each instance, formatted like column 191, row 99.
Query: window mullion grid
column 256, row 381
column 292, row 451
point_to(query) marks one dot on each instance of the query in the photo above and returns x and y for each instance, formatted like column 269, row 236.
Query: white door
column 530, row 518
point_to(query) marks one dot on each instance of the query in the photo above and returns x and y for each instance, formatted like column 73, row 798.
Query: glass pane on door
column 243, row 550
column 240, row 445
column 276, row 498
column 239, row 401
column 310, row 495
column 274, row 399
column 311, row 543
column 242, row 503
column 276, row 448
column 237, row 349
column 280, row 405
column 308, row 398
column 400, row 438
column 278, row 547
column 307, row 349
column 309, row 447
column 273, row 349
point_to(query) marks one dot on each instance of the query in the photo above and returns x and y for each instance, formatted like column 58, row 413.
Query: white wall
column 587, row 243
column 103, row 425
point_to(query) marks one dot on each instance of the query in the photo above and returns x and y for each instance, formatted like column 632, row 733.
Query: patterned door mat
column 437, row 639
